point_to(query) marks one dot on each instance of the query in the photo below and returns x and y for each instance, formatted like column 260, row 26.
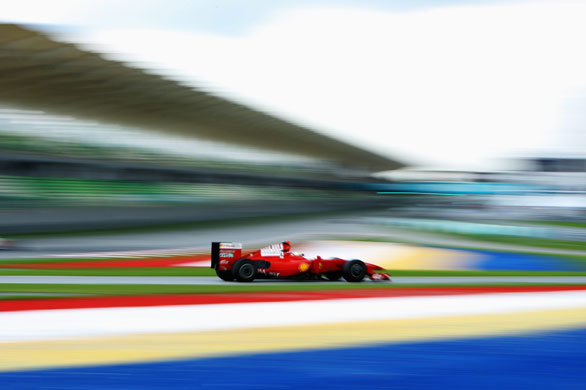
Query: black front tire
column 225, row 275
column 244, row 270
column 354, row 271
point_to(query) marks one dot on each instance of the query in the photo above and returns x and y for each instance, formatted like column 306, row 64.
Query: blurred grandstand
column 87, row 142
column 539, row 189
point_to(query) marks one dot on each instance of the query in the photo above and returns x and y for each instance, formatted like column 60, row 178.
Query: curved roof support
column 40, row 73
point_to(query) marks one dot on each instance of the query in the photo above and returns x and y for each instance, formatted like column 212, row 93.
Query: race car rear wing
column 225, row 250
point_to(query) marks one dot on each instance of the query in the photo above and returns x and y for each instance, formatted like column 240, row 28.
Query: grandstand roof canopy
column 41, row 73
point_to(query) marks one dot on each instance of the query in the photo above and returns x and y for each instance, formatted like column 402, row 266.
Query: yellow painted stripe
column 399, row 256
column 151, row 347
column 431, row 258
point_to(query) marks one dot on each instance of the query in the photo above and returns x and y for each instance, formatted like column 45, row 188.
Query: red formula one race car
column 278, row 262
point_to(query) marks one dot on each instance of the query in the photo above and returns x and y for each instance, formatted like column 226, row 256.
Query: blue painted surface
column 449, row 187
column 552, row 360
column 507, row 261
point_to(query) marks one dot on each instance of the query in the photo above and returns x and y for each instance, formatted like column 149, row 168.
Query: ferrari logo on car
column 303, row 267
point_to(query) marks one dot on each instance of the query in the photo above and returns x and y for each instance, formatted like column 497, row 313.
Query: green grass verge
column 22, row 297
column 559, row 223
column 57, row 260
column 127, row 290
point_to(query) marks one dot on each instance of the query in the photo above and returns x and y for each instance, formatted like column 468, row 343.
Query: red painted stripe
column 276, row 296
column 111, row 263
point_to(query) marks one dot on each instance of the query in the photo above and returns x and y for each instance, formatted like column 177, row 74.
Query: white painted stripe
column 138, row 254
column 55, row 324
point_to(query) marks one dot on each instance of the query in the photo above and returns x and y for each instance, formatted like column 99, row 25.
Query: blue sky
column 226, row 17
column 234, row 17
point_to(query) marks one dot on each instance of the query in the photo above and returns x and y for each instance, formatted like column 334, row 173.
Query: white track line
column 55, row 324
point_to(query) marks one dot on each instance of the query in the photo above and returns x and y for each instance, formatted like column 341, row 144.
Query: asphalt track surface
column 251, row 235
column 213, row 281
column 197, row 239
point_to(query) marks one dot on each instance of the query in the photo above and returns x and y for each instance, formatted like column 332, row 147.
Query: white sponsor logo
column 226, row 254
column 230, row 245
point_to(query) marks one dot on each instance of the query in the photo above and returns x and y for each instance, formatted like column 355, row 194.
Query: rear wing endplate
column 225, row 250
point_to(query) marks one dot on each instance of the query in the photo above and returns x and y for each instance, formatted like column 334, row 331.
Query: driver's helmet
column 286, row 246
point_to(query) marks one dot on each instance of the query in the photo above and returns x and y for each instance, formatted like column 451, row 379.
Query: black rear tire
column 244, row 270
column 354, row 271
column 225, row 275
